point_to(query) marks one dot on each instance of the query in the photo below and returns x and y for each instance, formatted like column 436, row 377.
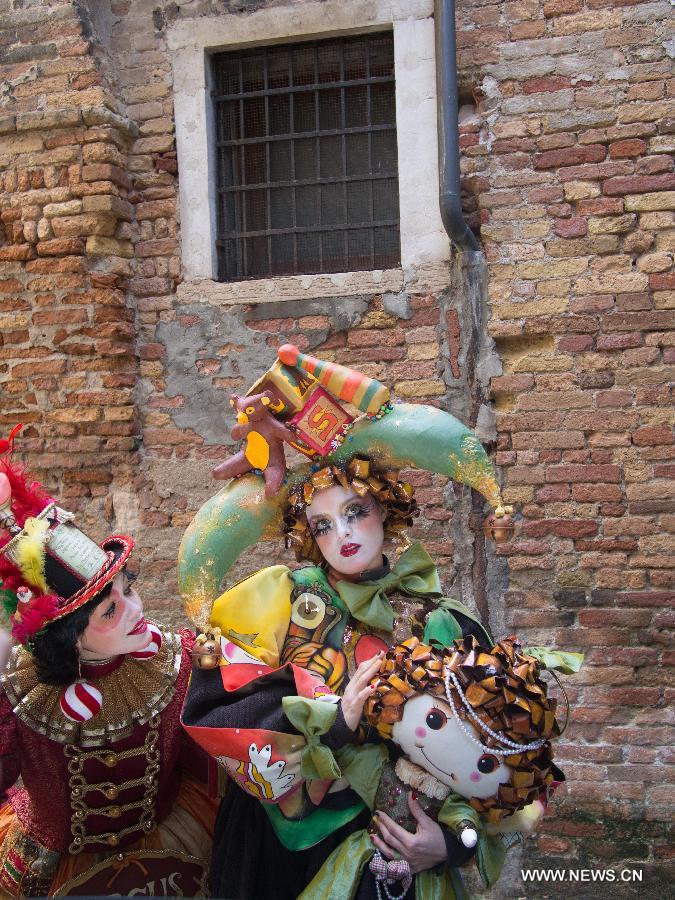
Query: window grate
column 307, row 158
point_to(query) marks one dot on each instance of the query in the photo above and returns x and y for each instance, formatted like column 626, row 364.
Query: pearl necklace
column 504, row 741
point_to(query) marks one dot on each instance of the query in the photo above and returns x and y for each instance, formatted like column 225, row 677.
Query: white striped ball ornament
column 153, row 647
column 81, row 701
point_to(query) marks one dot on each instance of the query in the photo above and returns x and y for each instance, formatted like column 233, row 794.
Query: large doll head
column 480, row 722
column 342, row 514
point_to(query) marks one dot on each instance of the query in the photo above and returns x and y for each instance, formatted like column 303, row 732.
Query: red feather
column 40, row 611
column 28, row 497
column 6, row 443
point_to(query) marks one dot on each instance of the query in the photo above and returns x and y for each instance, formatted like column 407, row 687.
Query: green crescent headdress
column 393, row 436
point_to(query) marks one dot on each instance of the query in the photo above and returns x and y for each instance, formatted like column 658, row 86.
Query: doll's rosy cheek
column 420, row 732
column 475, row 776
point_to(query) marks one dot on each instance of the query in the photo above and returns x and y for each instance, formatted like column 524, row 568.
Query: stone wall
column 120, row 371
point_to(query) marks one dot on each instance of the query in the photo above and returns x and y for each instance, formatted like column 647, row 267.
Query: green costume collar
column 414, row 574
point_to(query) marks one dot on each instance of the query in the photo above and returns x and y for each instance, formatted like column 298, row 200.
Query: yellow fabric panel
column 254, row 614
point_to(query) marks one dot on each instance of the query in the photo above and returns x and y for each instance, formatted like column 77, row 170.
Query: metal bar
column 294, row 210
column 371, row 200
column 307, row 88
column 317, row 124
column 310, row 229
column 332, row 132
column 242, row 178
column 268, row 192
column 307, row 182
column 343, row 121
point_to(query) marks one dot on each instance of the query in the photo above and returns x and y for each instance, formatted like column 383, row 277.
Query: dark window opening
column 307, row 176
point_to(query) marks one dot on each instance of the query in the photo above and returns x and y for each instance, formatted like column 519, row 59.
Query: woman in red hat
column 90, row 718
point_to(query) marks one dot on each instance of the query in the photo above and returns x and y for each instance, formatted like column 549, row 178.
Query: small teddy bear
column 264, row 447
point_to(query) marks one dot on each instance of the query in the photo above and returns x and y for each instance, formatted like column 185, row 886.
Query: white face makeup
column 348, row 529
column 430, row 737
column 117, row 625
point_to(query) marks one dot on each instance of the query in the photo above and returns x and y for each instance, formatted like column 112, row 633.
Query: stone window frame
column 425, row 247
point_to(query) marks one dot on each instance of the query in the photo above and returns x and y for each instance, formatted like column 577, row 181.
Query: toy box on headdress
column 307, row 391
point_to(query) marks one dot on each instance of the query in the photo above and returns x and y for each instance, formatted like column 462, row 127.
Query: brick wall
column 569, row 176
column 570, row 155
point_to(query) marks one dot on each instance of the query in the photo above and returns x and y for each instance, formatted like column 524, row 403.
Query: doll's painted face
column 430, row 737
column 116, row 626
column 348, row 529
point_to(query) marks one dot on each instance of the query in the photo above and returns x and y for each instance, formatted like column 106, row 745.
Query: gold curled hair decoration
column 567, row 703
column 504, row 690
column 395, row 496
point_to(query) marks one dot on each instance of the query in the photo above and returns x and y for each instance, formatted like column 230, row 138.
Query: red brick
column 571, row 228
column 583, row 473
column 619, row 341
column 546, row 84
column 614, row 398
column 665, row 282
column 105, row 172
column 633, row 301
column 16, row 252
column 591, row 493
column 545, row 194
column 601, row 206
column 596, row 303
column 570, row 156
column 575, row 343
column 569, row 528
column 511, row 383
column 553, row 8
column 652, row 436
column 638, row 184
column 60, row 247
column 627, row 148
column 59, row 316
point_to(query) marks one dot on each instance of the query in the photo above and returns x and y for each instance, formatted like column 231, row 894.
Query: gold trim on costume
column 132, row 695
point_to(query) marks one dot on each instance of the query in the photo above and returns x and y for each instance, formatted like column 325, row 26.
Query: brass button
column 111, row 792
column 114, row 812
column 113, row 840
column 110, row 759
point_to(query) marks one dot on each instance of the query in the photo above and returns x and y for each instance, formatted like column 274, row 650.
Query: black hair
column 55, row 647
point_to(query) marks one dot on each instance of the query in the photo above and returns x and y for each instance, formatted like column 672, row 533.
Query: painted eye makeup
column 129, row 578
column 358, row 510
column 110, row 611
column 321, row 527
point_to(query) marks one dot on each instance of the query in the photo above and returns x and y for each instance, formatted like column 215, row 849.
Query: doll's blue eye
column 487, row 764
column 436, row 719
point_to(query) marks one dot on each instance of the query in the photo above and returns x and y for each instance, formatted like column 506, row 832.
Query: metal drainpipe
column 448, row 128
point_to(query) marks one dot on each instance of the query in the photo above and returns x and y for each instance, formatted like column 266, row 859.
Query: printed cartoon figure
column 264, row 442
column 475, row 728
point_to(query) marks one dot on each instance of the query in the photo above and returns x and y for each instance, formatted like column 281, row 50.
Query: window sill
column 426, row 278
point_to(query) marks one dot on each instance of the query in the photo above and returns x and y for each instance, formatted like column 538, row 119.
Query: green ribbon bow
column 414, row 574
column 313, row 718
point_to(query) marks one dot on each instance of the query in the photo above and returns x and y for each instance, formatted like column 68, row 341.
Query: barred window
column 306, row 158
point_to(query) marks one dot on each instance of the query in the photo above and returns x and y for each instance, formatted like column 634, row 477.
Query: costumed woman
column 90, row 718
column 283, row 669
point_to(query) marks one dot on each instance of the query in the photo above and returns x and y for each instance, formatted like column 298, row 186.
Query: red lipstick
column 349, row 549
column 139, row 628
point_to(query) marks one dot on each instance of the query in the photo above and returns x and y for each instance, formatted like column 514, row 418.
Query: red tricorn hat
column 48, row 566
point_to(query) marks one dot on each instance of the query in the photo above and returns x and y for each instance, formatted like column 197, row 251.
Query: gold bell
column 206, row 653
column 499, row 526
